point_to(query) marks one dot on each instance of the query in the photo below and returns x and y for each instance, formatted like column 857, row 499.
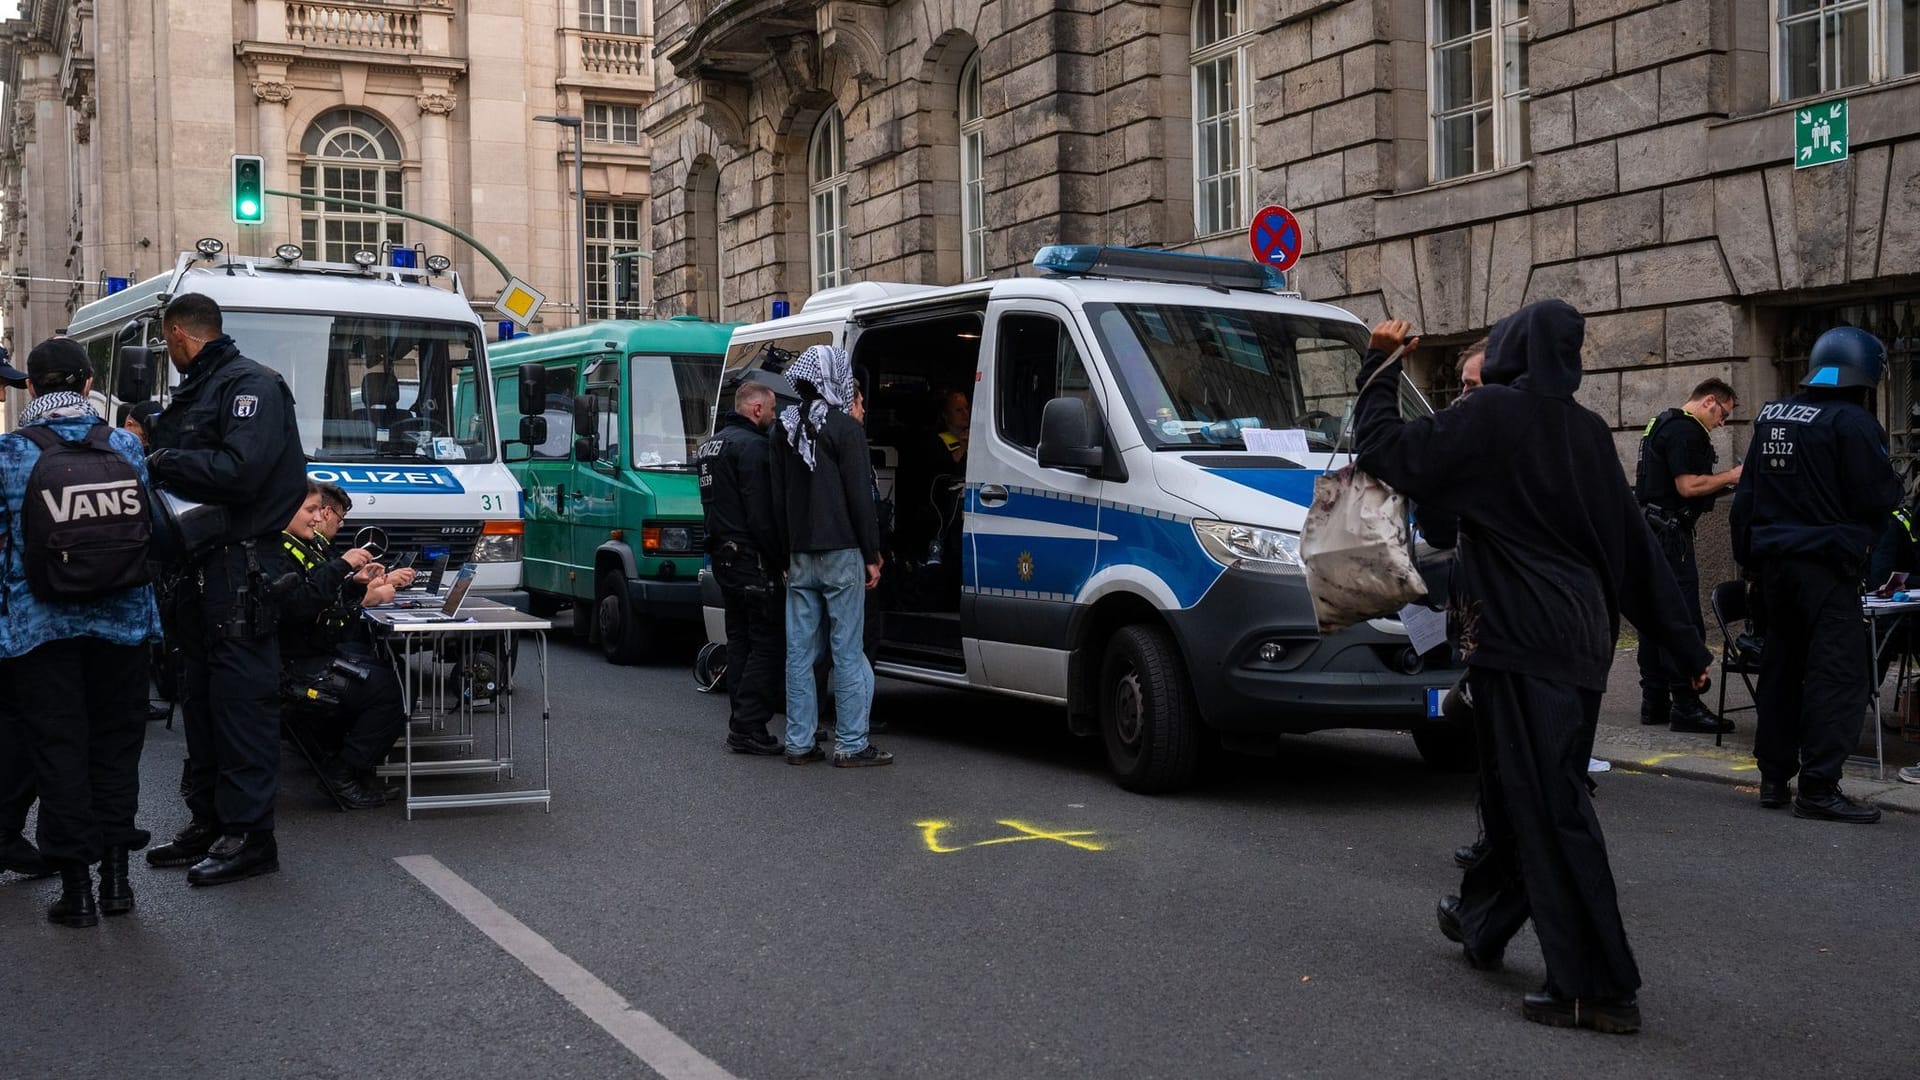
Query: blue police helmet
column 1846, row 356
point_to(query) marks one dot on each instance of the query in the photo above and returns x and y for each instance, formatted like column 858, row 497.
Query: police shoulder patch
column 244, row 405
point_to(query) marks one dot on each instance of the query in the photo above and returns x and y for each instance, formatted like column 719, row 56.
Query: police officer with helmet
column 227, row 438
column 1811, row 503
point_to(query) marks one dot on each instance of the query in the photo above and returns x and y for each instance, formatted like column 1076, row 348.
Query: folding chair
column 1739, row 654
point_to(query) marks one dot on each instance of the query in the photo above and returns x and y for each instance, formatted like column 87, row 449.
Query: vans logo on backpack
column 84, row 528
column 111, row 499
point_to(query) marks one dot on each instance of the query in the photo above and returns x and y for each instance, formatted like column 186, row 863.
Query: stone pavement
column 1624, row 742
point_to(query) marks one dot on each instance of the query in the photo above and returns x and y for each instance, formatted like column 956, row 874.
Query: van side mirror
column 533, row 390
column 1068, row 438
column 533, row 429
column 133, row 373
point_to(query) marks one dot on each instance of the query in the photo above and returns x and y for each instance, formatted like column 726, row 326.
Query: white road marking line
column 649, row 1040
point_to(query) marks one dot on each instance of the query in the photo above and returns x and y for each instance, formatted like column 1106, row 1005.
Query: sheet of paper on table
column 1426, row 628
column 1292, row 441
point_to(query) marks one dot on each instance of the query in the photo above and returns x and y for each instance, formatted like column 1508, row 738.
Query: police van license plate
column 1435, row 695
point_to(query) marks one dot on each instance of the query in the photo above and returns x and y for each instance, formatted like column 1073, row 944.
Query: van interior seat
column 380, row 399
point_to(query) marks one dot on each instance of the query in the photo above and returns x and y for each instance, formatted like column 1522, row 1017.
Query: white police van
column 389, row 376
column 1120, row 549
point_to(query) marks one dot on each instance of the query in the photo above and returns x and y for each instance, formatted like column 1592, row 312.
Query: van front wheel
column 623, row 639
column 1147, row 715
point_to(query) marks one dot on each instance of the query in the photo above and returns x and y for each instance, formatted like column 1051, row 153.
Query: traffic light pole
column 358, row 204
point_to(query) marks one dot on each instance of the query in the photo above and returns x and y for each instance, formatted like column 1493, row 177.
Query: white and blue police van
column 386, row 360
column 1120, row 549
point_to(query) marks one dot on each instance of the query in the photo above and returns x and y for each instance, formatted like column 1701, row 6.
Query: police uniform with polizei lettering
column 736, row 494
column 229, row 437
column 1674, row 444
column 1816, row 490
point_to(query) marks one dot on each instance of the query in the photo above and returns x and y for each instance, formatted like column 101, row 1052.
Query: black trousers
column 1661, row 672
column 756, row 661
column 230, row 695
column 1547, row 859
column 1813, row 687
column 372, row 712
column 82, row 703
column 16, row 765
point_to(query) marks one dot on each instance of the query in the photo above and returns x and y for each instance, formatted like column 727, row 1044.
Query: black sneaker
column 872, row 755
column 812, row 755
column 768, row 747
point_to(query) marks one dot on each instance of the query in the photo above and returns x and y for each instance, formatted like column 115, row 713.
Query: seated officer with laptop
column 328, row 663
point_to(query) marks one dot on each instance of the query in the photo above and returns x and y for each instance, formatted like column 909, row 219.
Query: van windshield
column 370, row 388
column 1199, row 376
column 672, row 403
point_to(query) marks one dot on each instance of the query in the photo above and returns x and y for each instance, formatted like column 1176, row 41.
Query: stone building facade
column 1449, row 160
column 123, row 118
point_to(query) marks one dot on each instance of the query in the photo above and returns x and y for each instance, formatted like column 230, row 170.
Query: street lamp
column 579, row 203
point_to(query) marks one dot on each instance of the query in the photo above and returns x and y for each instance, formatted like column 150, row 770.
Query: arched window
column 973, row 168
column 1222, row 128
column 703, row 204
column 349, row 154
column 827, row 196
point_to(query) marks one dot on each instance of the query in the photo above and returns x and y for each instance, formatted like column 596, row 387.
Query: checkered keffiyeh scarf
column 824, row 377
column 61, row 404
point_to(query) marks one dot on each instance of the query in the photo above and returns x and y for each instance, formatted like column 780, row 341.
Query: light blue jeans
column 827, row 603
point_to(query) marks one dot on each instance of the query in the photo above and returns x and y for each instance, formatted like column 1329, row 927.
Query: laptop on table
column 448, row 611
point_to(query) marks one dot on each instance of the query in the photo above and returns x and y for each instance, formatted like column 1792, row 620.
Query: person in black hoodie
column 1552, row 551
column 1814, row 497
column 823, row 507
column 736, row 493
column 228, row 437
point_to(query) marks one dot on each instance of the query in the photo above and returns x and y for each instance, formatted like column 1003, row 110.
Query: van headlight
column 1268, row 551
column 499, row 541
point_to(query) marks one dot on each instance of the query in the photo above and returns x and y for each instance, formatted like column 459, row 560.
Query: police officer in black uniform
column 736, row 492
column 229, row 438
column 1676, row 483
column 329, row 665
column 1817, row 488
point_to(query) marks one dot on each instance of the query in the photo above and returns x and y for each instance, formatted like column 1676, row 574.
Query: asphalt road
column 799, row 922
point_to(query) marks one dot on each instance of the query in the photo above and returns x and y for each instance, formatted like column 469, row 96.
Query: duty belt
column 1672, row 520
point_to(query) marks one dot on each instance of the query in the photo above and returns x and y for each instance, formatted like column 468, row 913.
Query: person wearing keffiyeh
column 823, row 506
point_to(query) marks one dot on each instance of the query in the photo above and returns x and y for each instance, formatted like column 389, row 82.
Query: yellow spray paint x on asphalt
column 930, row 835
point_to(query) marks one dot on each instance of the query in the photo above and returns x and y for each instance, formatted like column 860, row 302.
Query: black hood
column 1537, row 349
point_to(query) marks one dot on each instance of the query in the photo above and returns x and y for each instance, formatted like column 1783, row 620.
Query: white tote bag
column 1357, row 546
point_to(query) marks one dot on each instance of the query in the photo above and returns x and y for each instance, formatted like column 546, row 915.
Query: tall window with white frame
column 617, row 124
column 827, row 200
column 1222, row 115
column 613, row 228
column 973, row 178
column 610, row 16
column 1478, row 87
column 1831, row 45
column 349, row 154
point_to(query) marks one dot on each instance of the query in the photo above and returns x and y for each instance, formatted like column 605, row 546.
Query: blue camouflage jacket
column 129, row 617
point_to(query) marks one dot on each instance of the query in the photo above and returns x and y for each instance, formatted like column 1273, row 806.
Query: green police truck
column 608, row 417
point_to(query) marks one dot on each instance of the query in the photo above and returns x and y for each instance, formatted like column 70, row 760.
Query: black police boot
column 1774, row 794
column 236, row 857
column 1448, row 912
column 1692, row 717
column 75, row 906
column 19, row 855
column 347, row 788
column 187, row 847
column 116, row 892
column 1655, row 707
column 1609, row 1016
column 1826, row 803
column 1468, row 856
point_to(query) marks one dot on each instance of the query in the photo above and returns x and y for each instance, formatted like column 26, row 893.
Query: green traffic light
column 248, row 208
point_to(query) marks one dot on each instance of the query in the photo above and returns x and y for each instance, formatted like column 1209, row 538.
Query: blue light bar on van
column 1143, row 264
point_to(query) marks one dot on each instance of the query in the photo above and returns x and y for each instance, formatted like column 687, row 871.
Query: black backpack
column 86, row 524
